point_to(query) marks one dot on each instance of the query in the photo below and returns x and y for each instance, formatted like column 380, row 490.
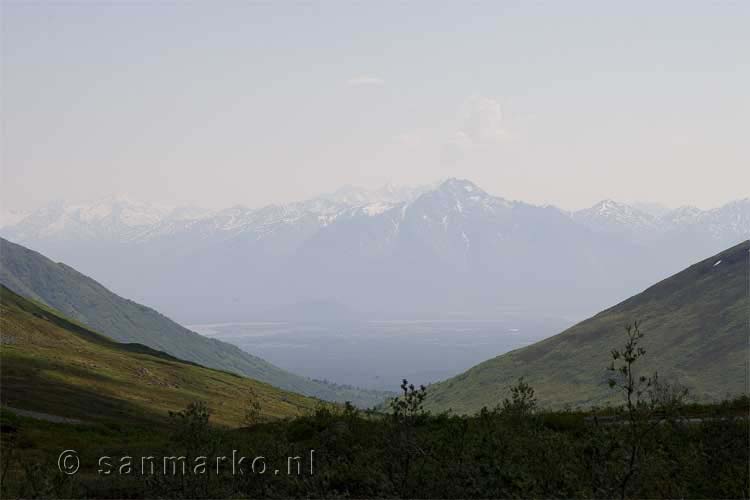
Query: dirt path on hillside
column 44, row 416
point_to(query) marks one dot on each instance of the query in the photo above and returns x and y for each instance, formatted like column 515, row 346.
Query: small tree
column 522, row 400
column 639, row 413
column 621, row 367
column 253, row 410
column 410, row 405
column 406, row 412
column 667, row 398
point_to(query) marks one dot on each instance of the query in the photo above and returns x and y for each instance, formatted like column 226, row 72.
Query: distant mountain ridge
column 390, row 251
column 729, row 220
column 32, row 275
column 696, row 335
column 114, row 215
column 127, row 219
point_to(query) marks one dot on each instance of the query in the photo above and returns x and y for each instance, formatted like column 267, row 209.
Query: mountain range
column 396, row 252
column 695, row 326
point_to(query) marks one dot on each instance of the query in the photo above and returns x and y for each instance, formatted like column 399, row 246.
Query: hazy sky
column 223, row 103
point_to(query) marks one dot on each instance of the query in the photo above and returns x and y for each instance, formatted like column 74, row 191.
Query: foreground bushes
column 499, row 453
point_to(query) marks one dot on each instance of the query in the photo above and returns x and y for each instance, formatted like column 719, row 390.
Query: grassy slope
column 55, row 365
column 32, row 275
column 696, row 328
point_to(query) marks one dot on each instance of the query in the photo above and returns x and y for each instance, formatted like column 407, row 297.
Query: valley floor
column 379, row 354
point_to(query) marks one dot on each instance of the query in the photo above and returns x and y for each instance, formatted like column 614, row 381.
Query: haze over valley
column 379, row 354
column 366, row 287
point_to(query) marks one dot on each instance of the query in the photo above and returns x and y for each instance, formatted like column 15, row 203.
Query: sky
column 253, row 103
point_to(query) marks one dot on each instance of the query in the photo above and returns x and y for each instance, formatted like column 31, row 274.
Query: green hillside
column 79, row 297
column 54, row 365
column 696, row 334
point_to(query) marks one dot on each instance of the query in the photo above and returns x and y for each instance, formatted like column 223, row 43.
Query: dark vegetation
column 653, row 444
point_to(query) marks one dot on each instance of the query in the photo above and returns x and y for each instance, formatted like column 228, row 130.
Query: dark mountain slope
column 30, row 274
column 697, row 333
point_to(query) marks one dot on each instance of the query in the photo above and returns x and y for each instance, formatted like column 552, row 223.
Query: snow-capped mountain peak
column 118, row 209
column 113, row 217
column 462, row 195
column 730, row 222
column 611, row 216
column 683, row 215
column 732, row 218
column 461, row 188
column 619, row 211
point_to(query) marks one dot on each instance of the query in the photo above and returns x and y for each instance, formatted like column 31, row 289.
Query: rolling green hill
column 56, row 366
column 696, row 334
column 30, row 274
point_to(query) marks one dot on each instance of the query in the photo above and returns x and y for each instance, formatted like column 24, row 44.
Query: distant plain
column 379, row 354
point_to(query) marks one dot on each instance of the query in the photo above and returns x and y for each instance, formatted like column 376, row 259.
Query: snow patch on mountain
column 377, row 208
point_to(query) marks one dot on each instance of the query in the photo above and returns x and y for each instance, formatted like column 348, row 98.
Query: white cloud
column 482, row 120
column 479, row 123
column 365, row 81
